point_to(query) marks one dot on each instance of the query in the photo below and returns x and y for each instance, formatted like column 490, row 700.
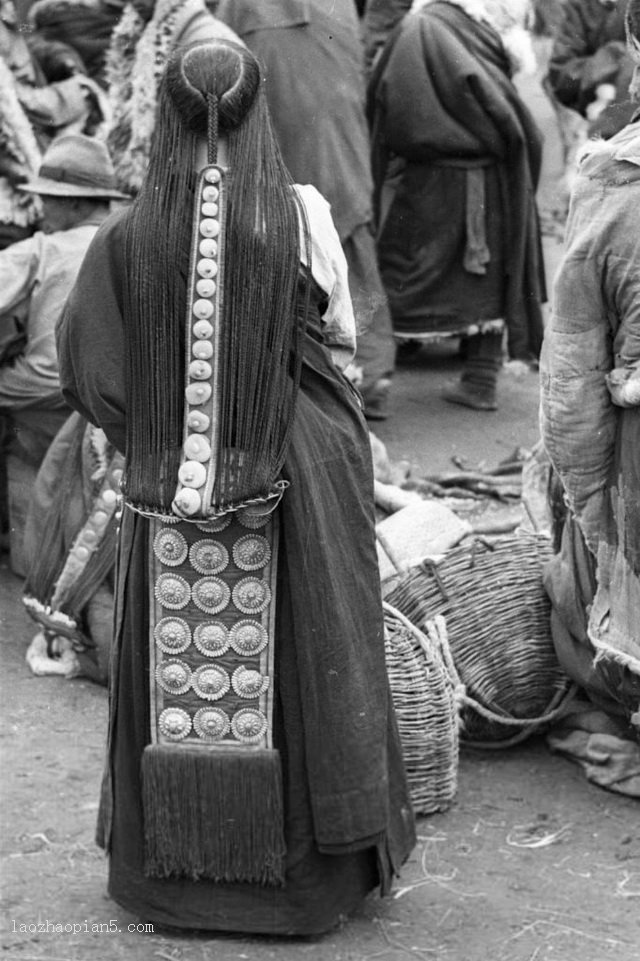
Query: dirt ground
column 475, row 889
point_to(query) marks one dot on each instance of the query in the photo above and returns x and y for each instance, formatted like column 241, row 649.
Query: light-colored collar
column 624, row 146
column 629, row 144
column 502, row 15
column 473, row 8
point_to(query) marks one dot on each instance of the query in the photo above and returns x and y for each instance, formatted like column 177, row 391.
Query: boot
column 479, row 379
column 376, row 400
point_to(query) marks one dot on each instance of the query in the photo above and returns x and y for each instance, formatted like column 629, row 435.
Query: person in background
column 546, row 17
column 56, row 59
column 69, row 549
column 51, row 108
column 589, row 67
column 313, row 60
column 456, row 162
column 32, row 112
column 75, row 184
column 84, row 25
column 590, row 422
column 146, row 35
column 378, row 22
column 255, row 780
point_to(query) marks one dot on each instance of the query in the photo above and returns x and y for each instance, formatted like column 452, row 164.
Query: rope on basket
column 436, row 630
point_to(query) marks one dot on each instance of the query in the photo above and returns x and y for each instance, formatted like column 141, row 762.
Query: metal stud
column 203, row 330
column 172, row 635
column 174, row 723
column 211, row 595
column 209, row 556
column 248, row 683
column 192, row 474
column 205, row 287
column 251, row 552
column 211, row 723
column 172, row 591
column 248, row 637
column 209, row 227
column 210, row 682
column 207, row 268
column 251, row 595
column 170, row 547
column 203, row 309
column 187, row 502
column 249, row 725
column 197, row 447
column 198, row 393
column 174, row 676
column 211, row 638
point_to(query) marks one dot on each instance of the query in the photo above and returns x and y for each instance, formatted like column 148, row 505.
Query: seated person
column 76, row 185
column 590, row 407
column 69, row 546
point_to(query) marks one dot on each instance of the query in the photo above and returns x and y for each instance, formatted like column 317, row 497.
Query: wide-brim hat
column 76, row 166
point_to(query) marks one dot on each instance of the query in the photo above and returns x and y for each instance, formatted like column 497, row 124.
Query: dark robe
column 312, row 59
column 348, row 821
column 459, row 154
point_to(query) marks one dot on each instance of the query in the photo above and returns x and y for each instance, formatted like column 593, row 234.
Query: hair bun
column 219, row 68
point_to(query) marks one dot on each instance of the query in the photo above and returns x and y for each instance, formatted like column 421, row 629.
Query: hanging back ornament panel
column 211, row 664
column 211, row 776
column 198, row 466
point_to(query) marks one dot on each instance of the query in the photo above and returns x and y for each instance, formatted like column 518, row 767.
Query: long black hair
column 210, row 87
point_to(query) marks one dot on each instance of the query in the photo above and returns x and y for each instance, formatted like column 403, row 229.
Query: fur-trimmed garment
column 19, row 152
column 135, row 62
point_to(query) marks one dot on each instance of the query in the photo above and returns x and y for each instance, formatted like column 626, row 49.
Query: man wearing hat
column 76, row 184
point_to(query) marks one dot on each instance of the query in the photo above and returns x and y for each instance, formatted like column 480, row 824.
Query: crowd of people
column 219, row 224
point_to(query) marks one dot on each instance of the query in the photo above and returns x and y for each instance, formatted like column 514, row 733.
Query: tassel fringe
column 215, row 814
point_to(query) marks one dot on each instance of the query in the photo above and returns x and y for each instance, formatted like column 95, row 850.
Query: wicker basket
column 498, row 630
column 424, row 701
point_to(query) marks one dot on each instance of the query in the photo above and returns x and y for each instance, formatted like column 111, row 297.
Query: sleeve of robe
column 32, row 378
column 90, row 335
column 56, row 105
column 329, row 269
